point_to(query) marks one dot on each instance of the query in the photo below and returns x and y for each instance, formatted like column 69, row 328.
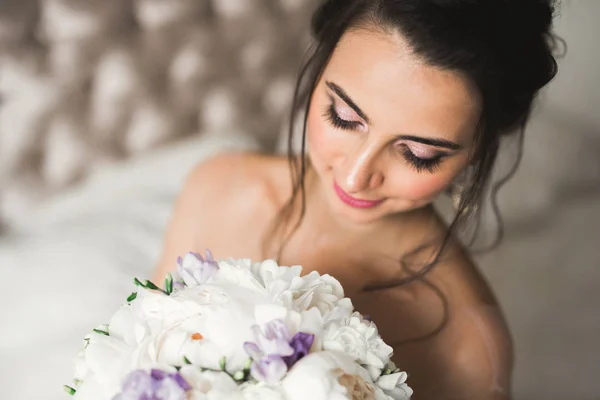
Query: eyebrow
column 431, row 142
column 344, row 96
column 443, row 143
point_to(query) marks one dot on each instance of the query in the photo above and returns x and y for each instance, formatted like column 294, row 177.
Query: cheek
column 421, row 186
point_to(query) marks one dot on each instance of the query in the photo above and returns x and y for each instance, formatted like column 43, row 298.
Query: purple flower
column 269, row 369
column 156, row 385
column 272, row 340
column 196, row 270
column 301, row 343
column 275, row 350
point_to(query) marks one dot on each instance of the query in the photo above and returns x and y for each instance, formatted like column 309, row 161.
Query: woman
column 401, row 98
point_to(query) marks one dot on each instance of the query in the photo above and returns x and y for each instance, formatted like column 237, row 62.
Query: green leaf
column 223, row 363
column 186, row 361
column 248, row 365
column 169, row 283
column 69, row 390
column 132, row 297
column 101, row 332
column 152, row 286
column 137, row 282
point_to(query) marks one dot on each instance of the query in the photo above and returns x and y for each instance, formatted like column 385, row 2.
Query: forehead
column 399, row 92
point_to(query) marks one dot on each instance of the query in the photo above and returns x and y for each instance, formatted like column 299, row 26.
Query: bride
column 402, row 100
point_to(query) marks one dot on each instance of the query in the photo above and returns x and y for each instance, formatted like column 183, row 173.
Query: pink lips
column 353, row 202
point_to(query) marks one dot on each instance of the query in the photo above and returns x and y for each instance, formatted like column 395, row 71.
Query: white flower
column 261, row 391
column 271, row 275
column 238, row 273
column 327, row 375
column 314, row 290
column 394, row 386
column 106, row 360
column 358, row 388
column 208, row 385
column 219, row 330
column 358, row 338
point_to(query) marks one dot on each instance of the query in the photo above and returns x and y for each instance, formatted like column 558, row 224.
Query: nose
column 364, row 173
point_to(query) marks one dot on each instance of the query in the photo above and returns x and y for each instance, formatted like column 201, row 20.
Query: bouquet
column 234, row 329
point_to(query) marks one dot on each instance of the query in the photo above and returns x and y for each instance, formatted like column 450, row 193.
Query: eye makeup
column 418, row 155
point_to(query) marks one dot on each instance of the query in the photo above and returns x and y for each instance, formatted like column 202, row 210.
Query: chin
column 366, row 216
column 362, row 216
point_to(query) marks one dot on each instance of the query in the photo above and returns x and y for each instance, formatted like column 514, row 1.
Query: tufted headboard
column 84, row 83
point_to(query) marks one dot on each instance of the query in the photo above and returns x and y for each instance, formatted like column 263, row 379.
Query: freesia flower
column 155, row 385
column 275, row 350
column 195, row 270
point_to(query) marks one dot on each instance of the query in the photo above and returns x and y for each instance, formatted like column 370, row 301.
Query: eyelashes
column 332, row 116
column 419, row 164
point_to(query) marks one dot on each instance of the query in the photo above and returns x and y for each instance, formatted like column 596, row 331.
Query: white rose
column 358, row 338
column 326, row 375
column 314, row 290
column 394, row 386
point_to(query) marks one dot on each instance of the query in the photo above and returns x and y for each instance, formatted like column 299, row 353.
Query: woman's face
column 387, row 133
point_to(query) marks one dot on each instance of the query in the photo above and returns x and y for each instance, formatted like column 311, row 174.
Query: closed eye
column 338, row 122
column 421, row 164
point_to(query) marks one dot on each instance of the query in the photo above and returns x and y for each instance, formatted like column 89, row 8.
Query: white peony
column 106, row 359
column 237, row 272
column 358, row 338
column 218, row 331
column 261, row 391
column 208, row 385
column 328, row 375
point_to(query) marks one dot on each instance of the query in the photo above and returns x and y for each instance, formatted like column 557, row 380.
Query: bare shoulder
column 477, row 346
column 221, row 194
column 237, row 183
column 448, row 331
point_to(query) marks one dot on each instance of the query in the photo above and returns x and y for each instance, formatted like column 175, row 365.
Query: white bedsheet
column 67, row 267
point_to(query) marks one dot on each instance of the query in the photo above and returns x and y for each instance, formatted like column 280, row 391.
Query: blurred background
column 105, row 105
